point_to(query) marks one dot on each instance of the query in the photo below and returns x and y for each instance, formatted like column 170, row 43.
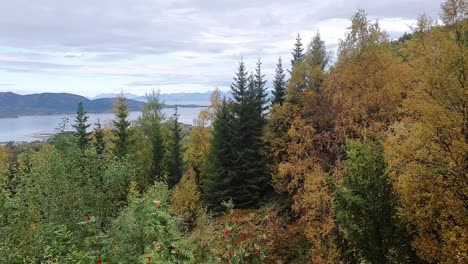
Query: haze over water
column 31, row 128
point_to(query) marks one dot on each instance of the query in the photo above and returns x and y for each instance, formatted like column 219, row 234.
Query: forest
column 362, row 158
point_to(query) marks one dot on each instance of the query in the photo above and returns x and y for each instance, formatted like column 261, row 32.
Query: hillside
column 12, row 104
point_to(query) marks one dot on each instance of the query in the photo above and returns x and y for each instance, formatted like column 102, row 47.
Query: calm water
column 31, row 128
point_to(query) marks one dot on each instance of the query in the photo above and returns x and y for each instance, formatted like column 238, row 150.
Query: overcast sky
column 90, row 47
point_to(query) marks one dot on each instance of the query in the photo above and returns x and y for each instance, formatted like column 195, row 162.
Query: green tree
column 217, row 171
column 121, row 128
column 250, row 184
column 259, row 90
column 175, row 151
column 279, row 84
column 317, row 58
column 99, row 143
column 297, row 51
column 309, row 73
column 365, row 206
column 81, row 127
column 146, row 232
column 150, row 122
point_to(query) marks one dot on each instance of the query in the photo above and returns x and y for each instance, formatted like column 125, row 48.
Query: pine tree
column 279, row 84
column 174, row 162
column 81, row 126
column 297, row 51
column 121, row 128
column 99, row 143
column 151, row 123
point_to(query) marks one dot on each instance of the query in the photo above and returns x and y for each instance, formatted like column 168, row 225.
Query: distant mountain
column 114, row 95
column 12, row 104
column 171, row 99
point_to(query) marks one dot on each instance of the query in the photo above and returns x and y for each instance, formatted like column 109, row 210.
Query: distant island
column 13, row 105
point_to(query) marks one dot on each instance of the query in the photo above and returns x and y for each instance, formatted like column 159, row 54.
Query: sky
column 90, row 47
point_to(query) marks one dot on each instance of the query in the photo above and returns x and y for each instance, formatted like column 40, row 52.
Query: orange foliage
column 427, row 151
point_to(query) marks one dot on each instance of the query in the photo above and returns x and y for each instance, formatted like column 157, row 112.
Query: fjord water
column 31, row 128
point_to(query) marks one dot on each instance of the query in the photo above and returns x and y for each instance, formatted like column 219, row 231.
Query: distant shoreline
column 100, row 112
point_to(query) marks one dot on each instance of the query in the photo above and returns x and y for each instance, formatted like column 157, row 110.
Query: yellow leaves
column 185, row 198
column 300, row 175
column 3, row 158
column 427, row 152
column 367, row 84
column 200, row 136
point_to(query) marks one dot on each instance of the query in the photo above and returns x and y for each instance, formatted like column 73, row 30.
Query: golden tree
column 428, row 150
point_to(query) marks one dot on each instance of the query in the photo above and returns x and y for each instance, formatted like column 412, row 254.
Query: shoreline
column 105, row 112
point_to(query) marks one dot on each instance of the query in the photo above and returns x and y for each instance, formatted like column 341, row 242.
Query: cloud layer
column 90, row 47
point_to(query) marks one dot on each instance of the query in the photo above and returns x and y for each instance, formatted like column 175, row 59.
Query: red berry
column 226, row 232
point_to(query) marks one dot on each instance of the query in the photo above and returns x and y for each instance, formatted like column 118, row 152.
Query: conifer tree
column 99, row 143
column 260, row 90
column 217, row 172
column 365, row 206
column 236, row 167
column 297, row 51
column 121, row 128
column 81, row 126
column 240, row 85
column 151, row 123
column 317, row 55
column 250, row 183
column 317, row 59
column 279, row 84
column 174, row 162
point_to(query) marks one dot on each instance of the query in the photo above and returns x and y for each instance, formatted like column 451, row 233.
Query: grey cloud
column 213, row 34
column 163, row 26
column 33, row 66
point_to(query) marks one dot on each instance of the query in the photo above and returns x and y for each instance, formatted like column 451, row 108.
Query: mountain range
column 196, row 98
column 12, row 104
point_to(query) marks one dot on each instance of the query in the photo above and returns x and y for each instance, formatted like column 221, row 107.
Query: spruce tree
column 121, row 128
column 365, row 206
column 236, row 166
column 217, row 172
column 317, row 59
column 297, row 51
column 151, row 123
column 250, row 184
column 99, row 143
column 174, row 161
column 81, row 126
column 317, row 55
column 279, row 84
column 239, row 86
column 260, row 90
